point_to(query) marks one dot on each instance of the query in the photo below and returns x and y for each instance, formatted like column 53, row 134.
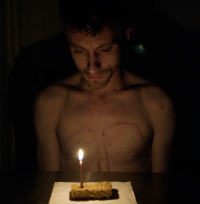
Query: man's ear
column 129, row 32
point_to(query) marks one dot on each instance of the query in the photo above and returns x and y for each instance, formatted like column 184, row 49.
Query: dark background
column 168, row 30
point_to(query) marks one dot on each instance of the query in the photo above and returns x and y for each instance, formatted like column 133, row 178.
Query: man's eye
column 106, row 49
column 78, row 51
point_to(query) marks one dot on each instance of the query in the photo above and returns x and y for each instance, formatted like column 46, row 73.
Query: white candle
column 80, row 157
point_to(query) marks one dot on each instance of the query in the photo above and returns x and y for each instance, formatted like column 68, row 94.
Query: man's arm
column 46, row 113
column 162, row 117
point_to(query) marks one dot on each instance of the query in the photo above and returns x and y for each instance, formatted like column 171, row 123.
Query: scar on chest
column 108, row 134
column 116, row 127
column 122, row 126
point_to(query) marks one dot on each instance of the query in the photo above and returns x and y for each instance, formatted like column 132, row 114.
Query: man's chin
column 95, row 85
column 98, row 82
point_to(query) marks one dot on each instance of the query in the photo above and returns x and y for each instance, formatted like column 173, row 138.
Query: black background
column 171, row 61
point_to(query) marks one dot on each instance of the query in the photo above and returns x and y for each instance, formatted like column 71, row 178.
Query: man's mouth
column 90, row 76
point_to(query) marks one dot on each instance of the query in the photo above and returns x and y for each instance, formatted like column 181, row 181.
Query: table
column 30, row 187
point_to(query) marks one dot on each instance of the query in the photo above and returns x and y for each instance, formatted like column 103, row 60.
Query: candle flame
column 80, row 154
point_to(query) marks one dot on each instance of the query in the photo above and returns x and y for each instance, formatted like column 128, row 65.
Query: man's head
column 96, row 35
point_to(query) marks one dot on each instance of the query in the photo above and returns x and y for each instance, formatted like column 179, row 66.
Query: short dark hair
column 91, row 15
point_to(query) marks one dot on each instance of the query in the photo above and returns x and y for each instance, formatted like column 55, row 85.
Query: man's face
column 96, row 57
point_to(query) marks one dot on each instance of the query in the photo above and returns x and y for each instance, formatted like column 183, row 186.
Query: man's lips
column 94, row 76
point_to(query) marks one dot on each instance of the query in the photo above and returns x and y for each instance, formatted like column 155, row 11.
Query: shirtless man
column 121, row 121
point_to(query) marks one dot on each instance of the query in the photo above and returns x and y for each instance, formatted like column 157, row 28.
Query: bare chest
column 112, row 132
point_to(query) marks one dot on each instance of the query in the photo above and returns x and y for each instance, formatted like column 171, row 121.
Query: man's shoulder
column 52, row 96
column 155, row 94
column 49, row 102
column 156, row 100
column 133, row 82
column 149, row 89
column 58, row 91
column 151, row 94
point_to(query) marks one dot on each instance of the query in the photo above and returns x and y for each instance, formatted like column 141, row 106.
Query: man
column 121, row 121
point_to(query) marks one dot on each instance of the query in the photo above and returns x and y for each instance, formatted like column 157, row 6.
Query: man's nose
column 94, row 63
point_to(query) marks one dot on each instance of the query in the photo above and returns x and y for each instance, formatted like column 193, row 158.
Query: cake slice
column 99, row 190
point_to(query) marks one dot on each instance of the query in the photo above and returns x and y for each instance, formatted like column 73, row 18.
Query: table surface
column 148, row 187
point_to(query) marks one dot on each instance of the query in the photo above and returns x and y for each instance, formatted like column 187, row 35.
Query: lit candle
column 80, row 157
